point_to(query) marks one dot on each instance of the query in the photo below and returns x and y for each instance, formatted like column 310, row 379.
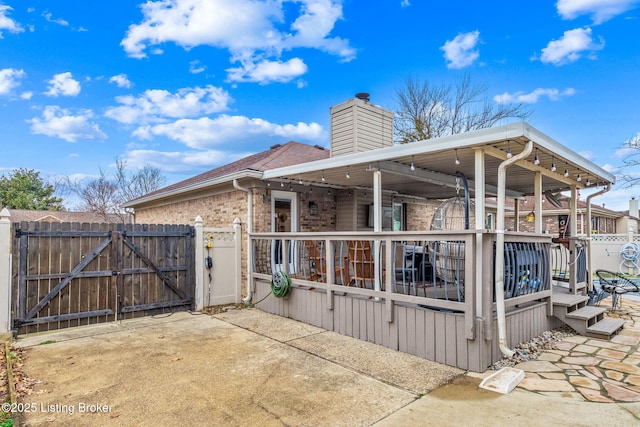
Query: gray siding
column 358, row 126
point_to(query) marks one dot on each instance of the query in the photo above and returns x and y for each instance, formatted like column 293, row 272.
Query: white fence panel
column 218, row 281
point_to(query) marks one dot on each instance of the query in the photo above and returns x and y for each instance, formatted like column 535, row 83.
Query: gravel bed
column 527, row 351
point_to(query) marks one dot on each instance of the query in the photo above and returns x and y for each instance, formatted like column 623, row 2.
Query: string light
column 282, row 184
column 299, row 180
column 579, row 178
column 323, row 178
column 508, row 150
column 566, row 171
column 268, row 183
column 536, row 159
column 457, row 159
column 588, row 182
column 348, row 175
column 553, row 164
column 413, row 167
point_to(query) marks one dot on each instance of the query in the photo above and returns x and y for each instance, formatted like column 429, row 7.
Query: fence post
column 5, row 271
column 199, row 263
column 237, row 228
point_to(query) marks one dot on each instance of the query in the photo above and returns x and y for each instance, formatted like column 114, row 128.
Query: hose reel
column 630, row 252
column 280, row 284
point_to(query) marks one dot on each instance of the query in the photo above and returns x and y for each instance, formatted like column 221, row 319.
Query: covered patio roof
column 435, row 168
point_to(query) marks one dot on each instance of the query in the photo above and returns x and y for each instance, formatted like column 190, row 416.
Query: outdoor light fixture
column 531, row 217
column 413, row 167
column 457, row 160
column 299, row 180
column 536, row 159
column 508, row 151
column 323, row 178
column 566, row 171
column 553, row 164
column 579, row 178
column 588, row 182
column 268, row 183
column 348, row 175
column 281, row 183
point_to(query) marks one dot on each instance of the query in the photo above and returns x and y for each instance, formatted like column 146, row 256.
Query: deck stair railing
column 569, row 263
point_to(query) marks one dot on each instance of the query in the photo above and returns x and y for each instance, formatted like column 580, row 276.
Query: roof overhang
column 434, row 170
column 203, row 185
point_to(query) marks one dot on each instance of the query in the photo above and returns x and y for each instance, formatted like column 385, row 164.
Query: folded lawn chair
column 616, row 285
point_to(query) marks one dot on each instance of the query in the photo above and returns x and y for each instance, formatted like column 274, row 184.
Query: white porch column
column 537, row 191
column 573, row 212
column 377, row 225
column 480, row 225
column 5, row 271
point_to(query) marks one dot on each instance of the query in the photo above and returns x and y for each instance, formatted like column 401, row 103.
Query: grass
column 45, row 343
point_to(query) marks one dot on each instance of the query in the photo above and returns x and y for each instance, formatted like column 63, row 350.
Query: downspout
column 589, row 197
column 499, row 267
column 237, row 186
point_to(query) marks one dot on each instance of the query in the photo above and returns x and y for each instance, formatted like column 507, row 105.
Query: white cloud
column 7, row 23
column 405, row 3
column 59, row 21
column 159, row 105
column 195, row 67
column 176, row 161
column 599, row 10
column 268, row 71
column 533, row 97
column 569, row 48
column 121, row 80
column 257, row 35
column 59, row 122
column 63, row 84
column 9, row 80
column 205, row 132
column 631, row 147
column 460, row 52
column 26, row 95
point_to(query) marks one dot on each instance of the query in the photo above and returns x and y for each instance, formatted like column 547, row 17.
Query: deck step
column 568, row 300
column 586, row 313
column 606, row 327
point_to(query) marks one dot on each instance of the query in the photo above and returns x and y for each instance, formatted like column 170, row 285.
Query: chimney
column 357, row 126
column 633, row 207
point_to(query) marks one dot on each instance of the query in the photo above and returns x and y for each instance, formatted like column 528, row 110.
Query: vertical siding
column 433, row 335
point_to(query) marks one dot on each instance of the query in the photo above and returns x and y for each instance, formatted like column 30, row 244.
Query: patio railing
column 438, row 269
column 569, row 256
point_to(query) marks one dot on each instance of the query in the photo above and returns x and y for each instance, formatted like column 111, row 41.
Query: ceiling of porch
column 434, row 170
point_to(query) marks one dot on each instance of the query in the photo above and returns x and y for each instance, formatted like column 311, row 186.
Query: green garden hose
column 280, row 284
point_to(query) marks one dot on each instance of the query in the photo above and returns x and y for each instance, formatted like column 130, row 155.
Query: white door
column 284, row 219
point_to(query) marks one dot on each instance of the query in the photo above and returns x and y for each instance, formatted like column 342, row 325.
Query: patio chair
column 616, row 285
column 361, row 263
column 405, row 266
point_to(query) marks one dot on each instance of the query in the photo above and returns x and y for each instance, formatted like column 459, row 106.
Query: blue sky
column 189, row 85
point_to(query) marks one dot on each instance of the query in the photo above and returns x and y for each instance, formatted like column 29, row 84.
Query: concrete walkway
column 329, row 379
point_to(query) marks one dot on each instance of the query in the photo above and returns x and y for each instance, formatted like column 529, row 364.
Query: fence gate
column 71, row 274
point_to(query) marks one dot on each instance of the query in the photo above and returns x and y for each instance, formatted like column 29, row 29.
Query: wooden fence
column 71, row 274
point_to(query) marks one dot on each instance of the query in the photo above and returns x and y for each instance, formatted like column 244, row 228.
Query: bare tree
column 106, row 196
column 629, row 174
column 427, row 111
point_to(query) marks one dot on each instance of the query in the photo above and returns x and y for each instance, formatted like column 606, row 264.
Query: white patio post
column 377, row 224
column 537, row 191
column 199, row 264
column 5, row 271
column 480, row 225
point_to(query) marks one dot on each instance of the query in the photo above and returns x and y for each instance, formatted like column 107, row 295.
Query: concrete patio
column 245, row 367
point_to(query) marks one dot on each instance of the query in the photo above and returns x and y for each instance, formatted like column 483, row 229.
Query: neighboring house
column 555, row 220
column 20, row 215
